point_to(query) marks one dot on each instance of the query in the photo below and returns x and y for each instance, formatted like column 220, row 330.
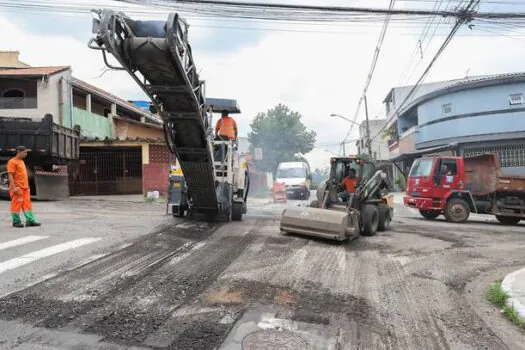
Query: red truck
column 458, row 186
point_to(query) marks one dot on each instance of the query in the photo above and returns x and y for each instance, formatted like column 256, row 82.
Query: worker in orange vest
column 226, row 128
column 19, row 189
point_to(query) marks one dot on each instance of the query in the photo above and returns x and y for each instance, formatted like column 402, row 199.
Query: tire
column 314, row 203
column 237, row 209
column 457, row 210
column 4, row 182
column 508, row 220
column 370, row 219
column 429, row 214
column 384, row 218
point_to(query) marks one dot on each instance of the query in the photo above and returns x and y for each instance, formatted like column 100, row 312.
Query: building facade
column 378, row 143
column 122, row 150
column 480, row 114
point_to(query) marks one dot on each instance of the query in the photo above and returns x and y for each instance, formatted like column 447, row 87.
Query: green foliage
column 281, row 135
column 497, row 296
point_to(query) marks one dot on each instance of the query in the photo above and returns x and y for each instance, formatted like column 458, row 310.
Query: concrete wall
column 124, row 130
column 474, row 112
column 92, row 125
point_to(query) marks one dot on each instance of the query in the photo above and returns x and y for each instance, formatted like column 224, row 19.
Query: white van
column 297, row 178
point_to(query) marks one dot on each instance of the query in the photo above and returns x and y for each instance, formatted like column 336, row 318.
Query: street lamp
column 368, row 141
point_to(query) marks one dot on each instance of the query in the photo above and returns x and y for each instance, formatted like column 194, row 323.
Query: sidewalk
column 514, row 285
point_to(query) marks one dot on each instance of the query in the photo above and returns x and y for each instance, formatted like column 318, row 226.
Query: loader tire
column 314, row 204
column 4, row 182
column 384, row 217
column 457, row 210
column 370, row 218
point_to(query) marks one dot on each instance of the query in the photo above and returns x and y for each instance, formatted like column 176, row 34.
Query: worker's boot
column 30, row 219
column 16, row 220
column 32, row 224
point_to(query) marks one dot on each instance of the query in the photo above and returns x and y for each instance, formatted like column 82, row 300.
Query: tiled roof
column 120, row 101
column 32, row 71
column 116, row 139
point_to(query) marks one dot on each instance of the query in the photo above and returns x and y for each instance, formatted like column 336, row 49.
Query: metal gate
column 511, row 155
column 107, row 171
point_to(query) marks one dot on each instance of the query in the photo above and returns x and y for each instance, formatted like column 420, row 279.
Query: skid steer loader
column 367, row 211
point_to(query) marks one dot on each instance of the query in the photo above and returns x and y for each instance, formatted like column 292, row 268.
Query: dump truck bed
column 483, row 176
column 43, row 137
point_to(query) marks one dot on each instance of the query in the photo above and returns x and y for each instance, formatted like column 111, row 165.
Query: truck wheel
column 384, row 217
column 429, row 214
column 370, row 219
column 457, row 210
column 314, row 204
column 237, row 211
column 4, row 182
column 508, row 220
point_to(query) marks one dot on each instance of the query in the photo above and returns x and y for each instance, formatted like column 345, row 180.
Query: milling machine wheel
column 237, row 210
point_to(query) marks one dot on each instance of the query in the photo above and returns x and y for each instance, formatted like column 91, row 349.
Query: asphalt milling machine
column 368, row 210
column 158, row 57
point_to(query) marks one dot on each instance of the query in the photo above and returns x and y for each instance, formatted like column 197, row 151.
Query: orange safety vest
column 226, row 127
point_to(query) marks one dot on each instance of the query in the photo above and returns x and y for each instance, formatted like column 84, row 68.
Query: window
column 289, row 173
column 516, row 99
column 447, row 109
column 447, row 167
column 14, row 93
column 12, row 99
column 422, row 167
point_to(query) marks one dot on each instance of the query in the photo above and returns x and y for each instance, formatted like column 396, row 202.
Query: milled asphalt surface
column 156, row 282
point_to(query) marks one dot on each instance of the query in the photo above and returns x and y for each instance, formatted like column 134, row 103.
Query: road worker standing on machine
column 226, row 128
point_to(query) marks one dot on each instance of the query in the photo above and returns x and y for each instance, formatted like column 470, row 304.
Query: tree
column 281, row 135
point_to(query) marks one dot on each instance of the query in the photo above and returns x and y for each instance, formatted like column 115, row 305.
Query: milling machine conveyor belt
column 160, row 52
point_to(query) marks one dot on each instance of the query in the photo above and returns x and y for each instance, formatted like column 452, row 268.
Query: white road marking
column 20, row 241
column 39, row 254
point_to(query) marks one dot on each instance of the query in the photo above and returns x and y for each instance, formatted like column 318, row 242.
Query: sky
column 315, row 69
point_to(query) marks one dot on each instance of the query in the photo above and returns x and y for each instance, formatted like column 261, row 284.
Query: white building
column 379, row 144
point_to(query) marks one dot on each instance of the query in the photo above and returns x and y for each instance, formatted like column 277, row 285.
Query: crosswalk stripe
column 39, row 254
column 20, row 241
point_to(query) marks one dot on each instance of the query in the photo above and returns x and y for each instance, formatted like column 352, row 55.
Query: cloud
column 316, row 73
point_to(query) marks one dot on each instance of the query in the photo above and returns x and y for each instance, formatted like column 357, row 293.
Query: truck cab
column 432, row 181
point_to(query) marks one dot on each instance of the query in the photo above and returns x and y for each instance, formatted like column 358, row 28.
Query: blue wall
column 471, row 101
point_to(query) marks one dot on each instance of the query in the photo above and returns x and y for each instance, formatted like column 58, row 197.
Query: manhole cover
column 274, row 340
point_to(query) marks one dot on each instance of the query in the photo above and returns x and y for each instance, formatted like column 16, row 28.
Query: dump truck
column 367, row 211
column 52, row 149
column 158, row 57
column 457, row 186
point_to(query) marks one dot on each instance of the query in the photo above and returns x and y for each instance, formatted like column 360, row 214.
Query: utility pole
column 368, row 141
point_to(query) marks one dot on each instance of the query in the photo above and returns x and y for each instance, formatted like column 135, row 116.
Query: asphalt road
column 110, row 275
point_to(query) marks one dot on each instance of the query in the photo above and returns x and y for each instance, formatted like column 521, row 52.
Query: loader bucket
column 331, row 224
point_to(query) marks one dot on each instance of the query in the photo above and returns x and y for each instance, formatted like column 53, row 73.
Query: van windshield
column 422, row 167
column 287, row 173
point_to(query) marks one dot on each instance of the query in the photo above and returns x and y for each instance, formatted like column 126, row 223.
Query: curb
column 508, row 286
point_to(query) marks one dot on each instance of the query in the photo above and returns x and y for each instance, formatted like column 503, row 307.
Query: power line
column 372, row 67
column 455, row 28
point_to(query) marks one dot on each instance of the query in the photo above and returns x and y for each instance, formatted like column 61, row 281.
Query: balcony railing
column 18, row 103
